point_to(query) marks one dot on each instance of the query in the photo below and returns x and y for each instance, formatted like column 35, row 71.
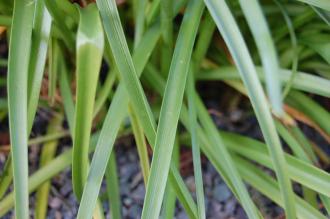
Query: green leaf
column 323, row 4
column 139, row 20
column 320, row 43
column 228, row 171
column 262, row 37
column 294, row 49
column 40, row 39
column 170, row 110
column 298, row 152
column 237, row 47
column 291, row 141
column 45, row 173
column 167, row 34
column 113, row 187
column 311, row 108
column 302, row 81
column 268, row 186
column 47, row 154
column 53, row 69
column 169, row 203
column 206, row 31
column 5, row 20
column 104, row 92
column 141, row 145
column 124, row 63
column 190, row 90
column 90, row 44
column 65, row 90
column 324, row 15
column 6, row 176
column 19, row 49
column 297, row 22
column 298, row 170
column 261, row 181
column 66, row 35
column 111, row 126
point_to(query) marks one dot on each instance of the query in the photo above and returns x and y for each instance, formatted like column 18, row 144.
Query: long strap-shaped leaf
column 324, row 15
column 323, row 4
column 124, row 62
column 66, row 93
column 311, row 108
column 90, row 44
column 40, row 38
column 299, row 171
column 43, row 174
column 268, row 186
column 53, row 69
column 265, row 186
column 167, row 35
column 47, row 154
column 141, row 145
column 233, row 38
column 19, row 53
column 294, row 47
column 228, row 170
column 113, row 187
column 302, row 81
column 140, row 9
column 190, row 92
column 66, row 34
column 266, row 48
column 170, row 110
column 110, row 128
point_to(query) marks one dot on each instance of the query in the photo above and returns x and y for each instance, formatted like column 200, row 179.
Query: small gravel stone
column 55, row 203
column 221, row 193
column 128, row 201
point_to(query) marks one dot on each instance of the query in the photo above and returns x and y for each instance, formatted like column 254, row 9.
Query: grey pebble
column 221, row 192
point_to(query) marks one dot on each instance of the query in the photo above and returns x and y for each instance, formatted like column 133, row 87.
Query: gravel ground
column 219, row 200
column 220, row 203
